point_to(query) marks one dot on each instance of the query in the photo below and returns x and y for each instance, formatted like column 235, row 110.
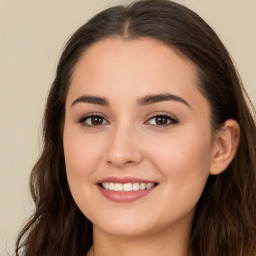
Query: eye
column 93, row 120
column 161, row 120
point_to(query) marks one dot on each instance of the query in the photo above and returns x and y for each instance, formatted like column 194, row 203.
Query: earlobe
column 225, row 146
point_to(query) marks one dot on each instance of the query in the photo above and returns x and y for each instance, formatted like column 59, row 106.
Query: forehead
column 145, row 65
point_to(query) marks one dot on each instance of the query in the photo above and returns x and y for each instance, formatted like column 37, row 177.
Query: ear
column 226, row 142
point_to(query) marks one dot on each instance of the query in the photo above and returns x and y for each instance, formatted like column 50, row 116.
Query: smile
column 126, row 186
column 125, row 189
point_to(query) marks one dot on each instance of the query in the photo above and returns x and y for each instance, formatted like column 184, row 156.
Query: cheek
column 189, row 146
column 81, row 159
column 184, row 160
column 81, row 153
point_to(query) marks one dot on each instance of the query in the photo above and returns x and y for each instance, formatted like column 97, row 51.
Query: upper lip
column 124, row 180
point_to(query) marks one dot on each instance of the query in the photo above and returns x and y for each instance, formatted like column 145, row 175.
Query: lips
column 125, row 189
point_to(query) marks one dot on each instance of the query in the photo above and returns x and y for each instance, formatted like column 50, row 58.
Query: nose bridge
column 123, row 148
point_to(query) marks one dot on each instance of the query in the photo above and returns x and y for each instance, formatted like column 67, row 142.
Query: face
column 137, row 137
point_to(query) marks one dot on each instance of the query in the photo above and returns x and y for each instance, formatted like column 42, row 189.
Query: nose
column 123, row 148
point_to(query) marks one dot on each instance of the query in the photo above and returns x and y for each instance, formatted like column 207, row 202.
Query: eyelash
column 82, row 120
column 171, row 120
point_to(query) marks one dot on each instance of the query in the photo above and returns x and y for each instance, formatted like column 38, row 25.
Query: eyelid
column 174, row 119
column 90, row 115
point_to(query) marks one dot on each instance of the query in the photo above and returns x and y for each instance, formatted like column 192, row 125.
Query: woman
column 149, row 144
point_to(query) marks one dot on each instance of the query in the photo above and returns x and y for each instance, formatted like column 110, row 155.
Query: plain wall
column 32, row 35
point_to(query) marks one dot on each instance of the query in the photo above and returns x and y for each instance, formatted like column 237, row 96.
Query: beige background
column 32, row 34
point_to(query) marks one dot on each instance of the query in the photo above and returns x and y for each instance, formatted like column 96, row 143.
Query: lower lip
column 124, row 196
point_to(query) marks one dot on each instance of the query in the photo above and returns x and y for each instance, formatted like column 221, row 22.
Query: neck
column 165, row 244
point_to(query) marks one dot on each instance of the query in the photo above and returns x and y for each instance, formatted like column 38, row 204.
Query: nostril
column 129, row 162
column 121, row 164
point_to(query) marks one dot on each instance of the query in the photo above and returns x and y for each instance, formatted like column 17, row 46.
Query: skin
column 127, row 141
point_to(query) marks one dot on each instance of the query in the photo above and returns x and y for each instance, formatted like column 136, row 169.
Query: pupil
column 96, row 120
column 161, row 120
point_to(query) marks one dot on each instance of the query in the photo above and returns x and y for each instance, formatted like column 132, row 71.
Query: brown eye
column 161, row 120
column 96, row 120
column 93, row 120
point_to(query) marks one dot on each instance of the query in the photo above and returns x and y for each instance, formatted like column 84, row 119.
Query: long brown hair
column 225, row 219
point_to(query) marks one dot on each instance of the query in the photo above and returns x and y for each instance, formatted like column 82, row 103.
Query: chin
column 135, row 224
column 126, row 230
column 125, row 226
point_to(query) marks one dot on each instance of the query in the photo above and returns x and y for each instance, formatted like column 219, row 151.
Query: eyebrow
column 92, row 99
column 147, row 100
column 155, row 98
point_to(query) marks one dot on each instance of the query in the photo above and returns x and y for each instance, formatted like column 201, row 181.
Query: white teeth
column 135, row 186
column 111, row 186
column 118, row 187
column 126, row 186
column 149, row 185
column 142, row 186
